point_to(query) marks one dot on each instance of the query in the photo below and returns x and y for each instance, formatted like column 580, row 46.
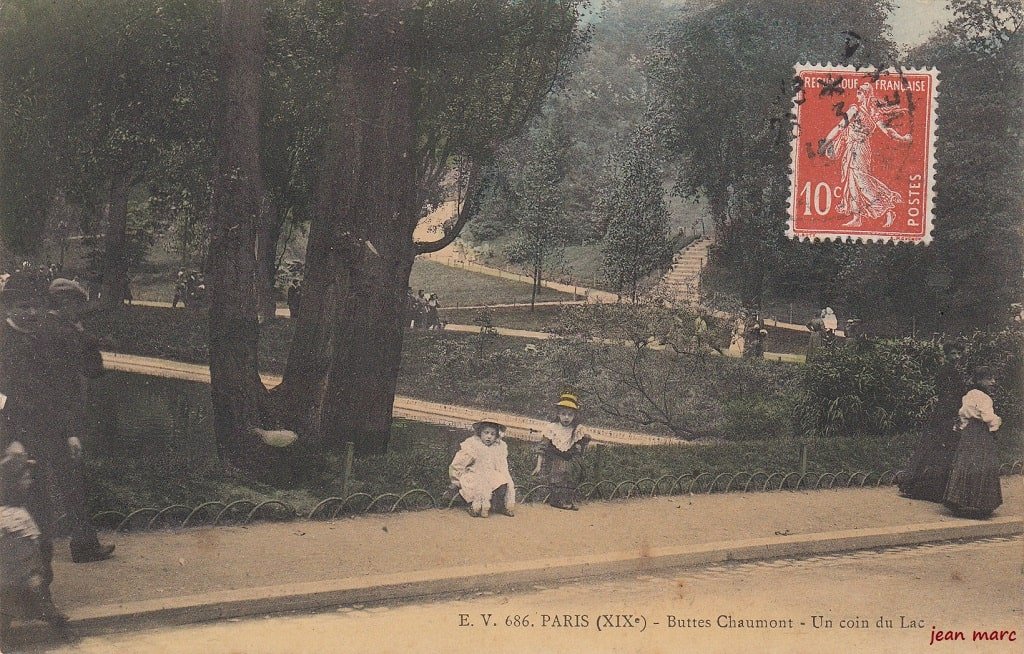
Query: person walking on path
column 294, row 298
column 480, row 471
column 756, row 340
column 560, row 452
column 45, row 357
column 829, row 320
column 973, row 488
column 23, row 587
column 927, row 473
column 737, row 342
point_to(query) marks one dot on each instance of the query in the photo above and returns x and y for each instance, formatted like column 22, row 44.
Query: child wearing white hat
column 480, row 470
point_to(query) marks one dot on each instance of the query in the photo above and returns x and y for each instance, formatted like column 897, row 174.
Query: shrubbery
column 888, row 386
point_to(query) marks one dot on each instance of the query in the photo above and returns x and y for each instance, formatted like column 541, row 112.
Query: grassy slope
column 515, row 385
column 459, row 287
column 151, row 445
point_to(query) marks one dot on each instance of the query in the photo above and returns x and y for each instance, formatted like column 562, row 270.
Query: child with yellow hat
column 561, row 448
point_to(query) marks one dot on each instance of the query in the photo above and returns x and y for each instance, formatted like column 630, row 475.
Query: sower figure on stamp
column 864, row 195
column 560, row 451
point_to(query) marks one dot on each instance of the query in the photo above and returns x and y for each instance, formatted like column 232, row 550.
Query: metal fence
column 247, row 511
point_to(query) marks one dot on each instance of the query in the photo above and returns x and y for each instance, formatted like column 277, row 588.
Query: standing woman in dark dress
column 973, row 489
column 927, row 473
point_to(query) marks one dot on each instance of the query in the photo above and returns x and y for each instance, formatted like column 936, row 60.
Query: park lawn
column 150, row 444
column 520, row 317
column 455, row 287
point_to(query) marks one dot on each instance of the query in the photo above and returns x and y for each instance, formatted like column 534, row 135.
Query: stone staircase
column 681, row 283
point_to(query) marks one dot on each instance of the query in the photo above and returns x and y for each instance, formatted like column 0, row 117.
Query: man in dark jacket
column 45, row 357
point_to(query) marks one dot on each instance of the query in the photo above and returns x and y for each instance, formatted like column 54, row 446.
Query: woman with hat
column 562, row 445
column 480, row 470
column 973, row 488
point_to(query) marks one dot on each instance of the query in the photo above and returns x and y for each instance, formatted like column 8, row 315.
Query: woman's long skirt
column 973, row 487
column 927, row 474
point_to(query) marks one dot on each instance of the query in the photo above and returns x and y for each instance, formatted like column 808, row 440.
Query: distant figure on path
column 738, row 341
column 294, row 298
column 830, row 321
column 814, row 342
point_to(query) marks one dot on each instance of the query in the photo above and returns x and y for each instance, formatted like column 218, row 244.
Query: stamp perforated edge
column 929, row 191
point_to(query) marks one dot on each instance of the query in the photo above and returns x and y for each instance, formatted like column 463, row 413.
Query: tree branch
column 465, row 212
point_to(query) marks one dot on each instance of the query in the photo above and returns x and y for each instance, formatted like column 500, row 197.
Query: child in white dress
column 480, row 470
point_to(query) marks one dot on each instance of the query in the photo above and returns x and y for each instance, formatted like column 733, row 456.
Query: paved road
column 948, row 586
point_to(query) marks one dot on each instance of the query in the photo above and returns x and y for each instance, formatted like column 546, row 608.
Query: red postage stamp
column 863, row 154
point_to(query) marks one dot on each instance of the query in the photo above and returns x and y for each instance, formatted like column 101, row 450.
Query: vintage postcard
column 511, row 326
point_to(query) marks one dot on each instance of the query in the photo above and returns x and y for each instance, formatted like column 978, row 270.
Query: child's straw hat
column 569, row 401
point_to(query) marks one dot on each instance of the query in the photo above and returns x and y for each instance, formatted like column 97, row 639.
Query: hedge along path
column 435, row 413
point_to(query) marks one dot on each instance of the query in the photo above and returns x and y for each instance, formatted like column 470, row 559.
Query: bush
column 887, row 386
column 757, row 419
column 870, row 387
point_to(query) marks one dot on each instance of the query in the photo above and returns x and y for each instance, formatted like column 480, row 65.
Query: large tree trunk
column 343, row 366
column 267, row 236
column 238, row 202
column 114, row 276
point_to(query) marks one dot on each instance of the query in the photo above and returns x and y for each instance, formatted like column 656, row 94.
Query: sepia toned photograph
column 511, row 326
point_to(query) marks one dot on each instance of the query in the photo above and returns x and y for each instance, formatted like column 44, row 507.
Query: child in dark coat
column 560, row 452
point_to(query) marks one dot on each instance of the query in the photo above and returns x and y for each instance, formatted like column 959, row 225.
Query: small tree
column 636, row 243
column 647, row 364
column 540, row 230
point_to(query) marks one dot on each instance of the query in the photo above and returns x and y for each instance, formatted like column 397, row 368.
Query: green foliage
column 868, row 388
column 888, row 386
column 92, row 92
column 540, row 218
column 725, row 75
column 636, row 242
column 644, row 364
column 605, row 95
column 151, row 444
